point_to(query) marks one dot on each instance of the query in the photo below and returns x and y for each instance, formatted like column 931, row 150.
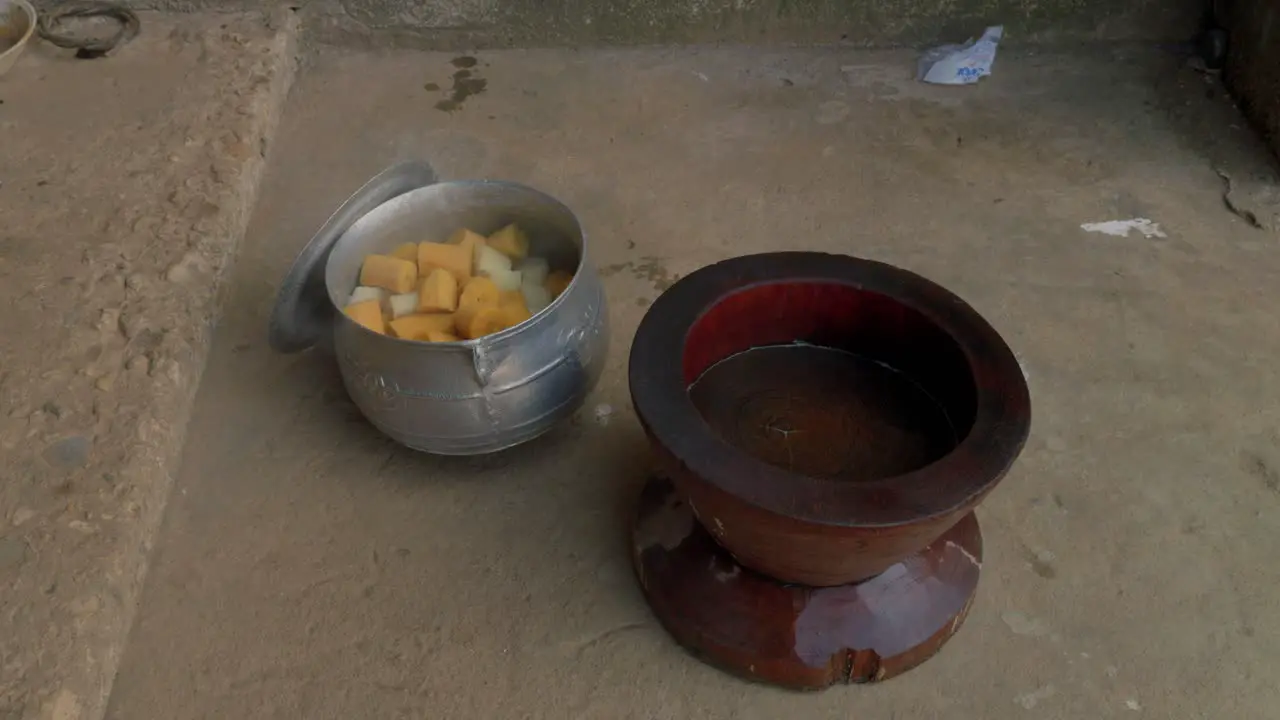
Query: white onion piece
column 509, row 280
column 536, row 297
column 363, row 293
column 405, row 304
column 490, row 262
column 535, row 270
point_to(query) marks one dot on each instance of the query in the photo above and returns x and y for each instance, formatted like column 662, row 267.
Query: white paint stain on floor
column 1122, row 228
column 1023, row 624
column 1035, row 697
column 603, row 413
column 832, row 112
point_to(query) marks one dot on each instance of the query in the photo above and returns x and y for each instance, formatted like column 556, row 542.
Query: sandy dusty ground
column 309, row 568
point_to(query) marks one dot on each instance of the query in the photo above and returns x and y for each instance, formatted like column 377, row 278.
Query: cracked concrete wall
column 1253, row 65
column 499, row 23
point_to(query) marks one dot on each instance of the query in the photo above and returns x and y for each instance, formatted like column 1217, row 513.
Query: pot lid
column 302, row 313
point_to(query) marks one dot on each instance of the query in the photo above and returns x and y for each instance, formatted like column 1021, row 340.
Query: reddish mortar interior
column 844, row 317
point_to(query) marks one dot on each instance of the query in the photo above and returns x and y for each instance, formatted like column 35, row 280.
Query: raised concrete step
column 125, row 186
column 458, row 24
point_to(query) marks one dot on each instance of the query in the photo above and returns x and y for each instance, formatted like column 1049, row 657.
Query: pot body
column 483, row 395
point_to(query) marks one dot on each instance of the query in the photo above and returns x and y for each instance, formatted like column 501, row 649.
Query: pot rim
column 954, row 482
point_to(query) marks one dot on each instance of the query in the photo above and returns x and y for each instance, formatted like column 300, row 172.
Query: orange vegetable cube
column 510, row 241
column 454, row 258
column 438, row 292
column 558, row 282
column 389, row 273
column 476, row 321
column 369, row 314
column 407, row 251
column 479, row 291
column 419, row 327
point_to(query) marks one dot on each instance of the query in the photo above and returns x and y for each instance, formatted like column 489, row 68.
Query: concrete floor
column 309, row 568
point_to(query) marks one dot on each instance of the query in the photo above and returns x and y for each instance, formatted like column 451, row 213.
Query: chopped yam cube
column 535, row 269
column 407, row 251
column 476, row 243
column 369, row 314
column 438, row 292
column 512, row 305
column 513, row 314
column 405, row 304
column 511, row 297
column 441, row 336
column 454, row 258
column 388, row 273
column 510, row 241
column 473, row 241
column 509, row 280
column 497, row 267
column 479, row 291
column 463, row 236
column 417, row 327
column 476, row 321
column 489, row 261
column 536, row 297
column 558, row 282
column 363, row 293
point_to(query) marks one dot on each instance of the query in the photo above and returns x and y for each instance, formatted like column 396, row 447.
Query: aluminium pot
column 459, row 398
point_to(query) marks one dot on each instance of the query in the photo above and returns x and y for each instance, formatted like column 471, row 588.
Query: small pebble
column 131, row 325
column 69, row 452
column 13, row 551
column 109, row 320
column 178, row 274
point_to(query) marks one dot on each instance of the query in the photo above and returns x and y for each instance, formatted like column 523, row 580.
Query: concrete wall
column 488, row 23
column 1253, row 66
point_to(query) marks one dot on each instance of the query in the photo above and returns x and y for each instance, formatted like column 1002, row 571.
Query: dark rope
column 87, row 48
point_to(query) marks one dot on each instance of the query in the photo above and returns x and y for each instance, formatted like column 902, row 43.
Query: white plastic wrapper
column 961, row 64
